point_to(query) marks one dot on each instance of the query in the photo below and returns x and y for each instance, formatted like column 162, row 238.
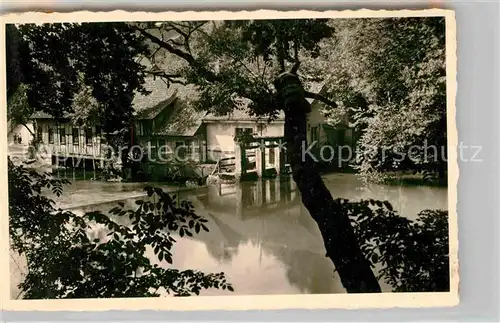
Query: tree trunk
column 338, row 235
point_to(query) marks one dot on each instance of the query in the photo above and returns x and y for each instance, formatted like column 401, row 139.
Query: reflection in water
column 260, row 234
column 263, row 225
column 261, row 228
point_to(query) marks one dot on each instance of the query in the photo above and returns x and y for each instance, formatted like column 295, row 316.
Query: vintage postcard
column 229, row 160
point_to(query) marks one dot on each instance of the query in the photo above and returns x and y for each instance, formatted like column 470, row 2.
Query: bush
column 413, row 255
column 64, row 260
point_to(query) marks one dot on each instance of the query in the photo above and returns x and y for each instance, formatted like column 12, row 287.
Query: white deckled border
column 268, row 302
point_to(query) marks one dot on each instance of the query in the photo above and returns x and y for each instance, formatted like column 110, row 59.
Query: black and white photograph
column 239, row 159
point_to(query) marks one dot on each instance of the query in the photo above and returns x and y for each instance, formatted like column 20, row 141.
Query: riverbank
column 135, row 196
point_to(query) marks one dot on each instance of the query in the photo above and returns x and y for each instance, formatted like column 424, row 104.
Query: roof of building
column 184, row 121
column 148, row 106
column 153, row 111
column 238, row 115
column 160, row 95
column 43, row 115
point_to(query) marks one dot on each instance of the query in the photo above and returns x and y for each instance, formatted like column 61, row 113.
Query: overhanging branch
column 321, row 98
column 208, row 74
column 163, row 74
column 189, row 58
column 296, row 65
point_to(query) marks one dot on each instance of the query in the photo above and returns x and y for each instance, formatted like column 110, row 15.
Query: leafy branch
column 124, row 253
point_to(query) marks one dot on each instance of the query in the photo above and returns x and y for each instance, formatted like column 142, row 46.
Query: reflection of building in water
column 267, row 219
column 262, row 193
column 225, row 245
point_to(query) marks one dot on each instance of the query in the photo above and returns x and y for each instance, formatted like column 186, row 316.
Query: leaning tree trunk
column 338, row 235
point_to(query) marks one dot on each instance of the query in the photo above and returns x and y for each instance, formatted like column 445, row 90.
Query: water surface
column 260, row 234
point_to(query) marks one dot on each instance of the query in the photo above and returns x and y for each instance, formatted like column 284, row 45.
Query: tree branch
column 178, row 30
column 188, row 57
column 320, row 98
column 296, row 66
column 27, row 128
column 163, row 74
column 208, row 74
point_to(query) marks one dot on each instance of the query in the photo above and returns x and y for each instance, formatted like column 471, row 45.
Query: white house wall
column 220, row 134
column 24, row 133
column 316, row 119
column 82, row 149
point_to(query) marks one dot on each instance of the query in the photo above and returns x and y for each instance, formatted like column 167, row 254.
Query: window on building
column 180, row 149
column 314, row 134
column 76, row 136
column 98, row 134
column 162, row 149
column 147, row 127
column 341, row 137
column 39, row 133
column 246, row 130
column 189, row 147
column 154, row 151
column 88, row 136
column 62, row 136
column 51, row 135
column 138, row 128
column 272, row 154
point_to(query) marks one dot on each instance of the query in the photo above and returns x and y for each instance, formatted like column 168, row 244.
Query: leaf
column 230, row 288
column 159, row 191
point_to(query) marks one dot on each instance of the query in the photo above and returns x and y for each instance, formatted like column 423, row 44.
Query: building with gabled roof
column 167, row 124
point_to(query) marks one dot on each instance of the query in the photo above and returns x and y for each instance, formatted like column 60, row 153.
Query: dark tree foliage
column 18, row 109
column 389, row 78
column 14, row 75
column 84, row 71
column 283, row 39
column 414, row 255
column 131, row 258
column 233, row 63
column 60, row 60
